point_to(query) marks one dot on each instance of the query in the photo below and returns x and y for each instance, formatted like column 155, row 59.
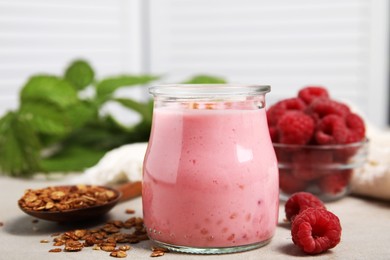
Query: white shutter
column 341, row 44
column 43, row 36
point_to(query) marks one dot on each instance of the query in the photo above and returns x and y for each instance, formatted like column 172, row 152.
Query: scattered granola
column 106, row 238
column 124, row 248
column 108, row 247
column 55, row 250
column 63, row 198
column 158, row 251
column 130, row 211
column 73, row 245
column 119, row 254
column 43, row 241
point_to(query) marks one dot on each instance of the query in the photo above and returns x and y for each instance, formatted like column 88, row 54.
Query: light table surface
column 365, row 223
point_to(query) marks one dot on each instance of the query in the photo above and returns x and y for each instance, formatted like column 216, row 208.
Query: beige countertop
column 365, row 223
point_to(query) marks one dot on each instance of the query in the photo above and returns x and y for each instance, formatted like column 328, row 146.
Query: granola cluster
column 63, row 198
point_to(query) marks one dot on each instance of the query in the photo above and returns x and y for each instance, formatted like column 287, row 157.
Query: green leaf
column 49, row 89
column 45, row 118
column 140, row 133
column 80, row 74
column 205, row 79
column 72, row 158
column 101, row 135
column 19, row 146
column 142, row 108
column 82, row 113
column 106, row 87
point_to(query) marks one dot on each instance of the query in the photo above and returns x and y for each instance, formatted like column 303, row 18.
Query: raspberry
column 288, row 184
column 316, row 230
column 346, row 153
column 322, row 107
column 357, row 130
column 333, row 129
column 307, row 162
column 275, row 112
column 335, row 182
column 311, row 93
column 295, row 128
column 273, row 132
column 300, row 201
column 305, row 174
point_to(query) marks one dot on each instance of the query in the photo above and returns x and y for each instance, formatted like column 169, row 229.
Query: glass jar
column 210, row 178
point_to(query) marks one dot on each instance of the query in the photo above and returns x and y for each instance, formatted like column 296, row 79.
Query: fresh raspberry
column 300, row 201
column 305, row 174
column 275, row 112
column 306, row 163
column 310, row 93
column 295, row 128
column 288, row 184
column 273, row 132
column 322, row 107
column 356, row 127
column 283, row 153
column 335, row 182
column 333, row 129
column 316, row 230
column 345, row 153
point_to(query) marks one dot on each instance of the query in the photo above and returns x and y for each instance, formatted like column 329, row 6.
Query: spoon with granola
column 69, row 203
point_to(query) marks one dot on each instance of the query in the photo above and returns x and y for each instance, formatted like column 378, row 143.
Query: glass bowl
column 323, row 170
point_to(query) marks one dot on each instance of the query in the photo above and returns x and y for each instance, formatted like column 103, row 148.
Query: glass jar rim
column 207, row 90
column 358, row 144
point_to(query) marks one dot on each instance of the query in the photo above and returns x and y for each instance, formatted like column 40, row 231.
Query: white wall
column 43, row 36
column 341, row 44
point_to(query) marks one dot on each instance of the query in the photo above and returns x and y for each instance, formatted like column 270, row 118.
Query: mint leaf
column 106, row 87
column 49, row 89
column 72, row 158
column 205, row 79
column 140, row 132
column 19, row 146
column 80, row 74
column 104, row 134
column 81, row 113
column 45, row 118
column 143, row 109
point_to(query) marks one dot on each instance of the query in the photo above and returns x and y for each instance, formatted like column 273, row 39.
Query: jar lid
column 208, row 90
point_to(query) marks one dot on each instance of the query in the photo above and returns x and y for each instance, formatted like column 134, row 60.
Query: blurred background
column 340, row 44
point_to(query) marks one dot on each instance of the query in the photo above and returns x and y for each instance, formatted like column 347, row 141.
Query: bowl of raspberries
column 319, row 143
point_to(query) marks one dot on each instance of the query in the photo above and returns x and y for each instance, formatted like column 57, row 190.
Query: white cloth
column 374, row 179
column 119, row 165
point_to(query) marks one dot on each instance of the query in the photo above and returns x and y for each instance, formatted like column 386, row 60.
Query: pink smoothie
column 210, row 178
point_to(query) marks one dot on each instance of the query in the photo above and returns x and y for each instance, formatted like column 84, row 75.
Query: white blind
column 341, row 44
column 287, row 44
column 43, row 36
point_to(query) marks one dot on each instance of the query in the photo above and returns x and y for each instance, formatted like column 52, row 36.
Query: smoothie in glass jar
column 210, row 181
